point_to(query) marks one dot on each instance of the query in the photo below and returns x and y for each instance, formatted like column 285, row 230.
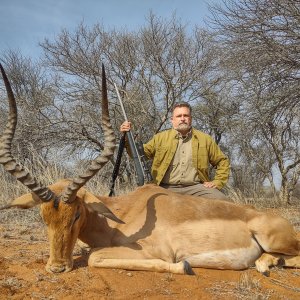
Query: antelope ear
column 101, row 209
column 94, row 204
column 25, row 201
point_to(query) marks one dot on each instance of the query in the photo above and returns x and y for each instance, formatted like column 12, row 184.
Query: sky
column 25, row 23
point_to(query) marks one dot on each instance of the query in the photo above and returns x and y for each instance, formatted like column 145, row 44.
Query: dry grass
column 11, row 283
column 17, row 225
column 246, row 288
column 48, row 174
column 100, row 185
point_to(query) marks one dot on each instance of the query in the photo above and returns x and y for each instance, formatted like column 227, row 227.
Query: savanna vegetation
column 240, row 74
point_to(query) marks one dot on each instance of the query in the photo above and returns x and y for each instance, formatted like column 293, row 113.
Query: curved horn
column 99, row 162
column 6, row 158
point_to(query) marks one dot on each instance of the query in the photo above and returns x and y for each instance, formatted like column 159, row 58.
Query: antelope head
column 62, row 209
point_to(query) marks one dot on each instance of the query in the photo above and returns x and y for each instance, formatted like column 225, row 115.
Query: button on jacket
column 162, row 147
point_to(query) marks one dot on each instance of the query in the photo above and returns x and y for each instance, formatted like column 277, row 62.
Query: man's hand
column 209, row 184
column 126, row 126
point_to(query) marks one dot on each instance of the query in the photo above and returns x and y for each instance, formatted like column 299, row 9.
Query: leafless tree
column 154, row 67
column 261, row 40
column 34, row 92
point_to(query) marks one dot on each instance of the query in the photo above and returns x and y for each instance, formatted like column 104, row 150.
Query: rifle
column 139, row 167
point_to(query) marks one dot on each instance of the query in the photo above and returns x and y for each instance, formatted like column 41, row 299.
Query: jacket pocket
column 160, row 156
column 202, row 159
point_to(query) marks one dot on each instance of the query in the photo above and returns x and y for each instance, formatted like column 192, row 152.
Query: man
column 182, row 155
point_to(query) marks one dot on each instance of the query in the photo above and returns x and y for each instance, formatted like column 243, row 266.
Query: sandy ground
column 24, row 253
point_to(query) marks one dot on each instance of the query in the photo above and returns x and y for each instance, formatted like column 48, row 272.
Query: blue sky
column 25, row 23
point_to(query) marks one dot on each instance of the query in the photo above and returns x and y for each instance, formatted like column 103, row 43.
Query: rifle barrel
column 135, row 155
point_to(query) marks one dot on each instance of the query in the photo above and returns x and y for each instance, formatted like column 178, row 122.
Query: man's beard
column 183, row 127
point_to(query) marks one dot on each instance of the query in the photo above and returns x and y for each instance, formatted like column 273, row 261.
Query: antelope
column 150, row 228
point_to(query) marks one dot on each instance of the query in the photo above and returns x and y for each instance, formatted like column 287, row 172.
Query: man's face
column 181, row 119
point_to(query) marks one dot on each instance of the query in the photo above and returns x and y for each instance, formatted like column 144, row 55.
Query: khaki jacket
column 162, row 147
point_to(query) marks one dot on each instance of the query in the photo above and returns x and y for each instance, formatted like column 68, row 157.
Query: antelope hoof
column 187, row 268
column 266, row 273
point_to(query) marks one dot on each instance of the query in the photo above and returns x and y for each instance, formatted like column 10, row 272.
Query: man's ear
column 103, row 210
column 25, row 201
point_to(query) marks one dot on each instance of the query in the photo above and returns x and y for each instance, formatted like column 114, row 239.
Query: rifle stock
column 135, row 155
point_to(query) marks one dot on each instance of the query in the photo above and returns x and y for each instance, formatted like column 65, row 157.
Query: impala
column 151, row 228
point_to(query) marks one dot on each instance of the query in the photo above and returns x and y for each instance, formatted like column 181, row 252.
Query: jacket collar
column 177, row 134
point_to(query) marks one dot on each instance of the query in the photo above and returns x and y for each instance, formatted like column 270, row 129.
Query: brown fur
column 163, row 231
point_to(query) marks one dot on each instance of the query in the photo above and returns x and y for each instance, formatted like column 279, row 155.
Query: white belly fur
column 236, row 259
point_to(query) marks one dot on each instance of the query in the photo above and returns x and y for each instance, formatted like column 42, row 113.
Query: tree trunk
column 285, row 194
column 273, row 187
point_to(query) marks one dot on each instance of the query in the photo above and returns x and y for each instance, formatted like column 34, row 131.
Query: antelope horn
column 99, row 162
column 6, row 158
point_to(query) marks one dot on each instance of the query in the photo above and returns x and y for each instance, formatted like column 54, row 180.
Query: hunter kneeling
column 182, row 156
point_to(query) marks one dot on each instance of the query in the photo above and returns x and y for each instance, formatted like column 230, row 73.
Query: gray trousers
column 196, row 190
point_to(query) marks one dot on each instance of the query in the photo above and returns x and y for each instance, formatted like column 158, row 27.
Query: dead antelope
column 163, row 231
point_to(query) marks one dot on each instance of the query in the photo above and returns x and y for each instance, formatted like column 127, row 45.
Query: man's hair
column 181, row 104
